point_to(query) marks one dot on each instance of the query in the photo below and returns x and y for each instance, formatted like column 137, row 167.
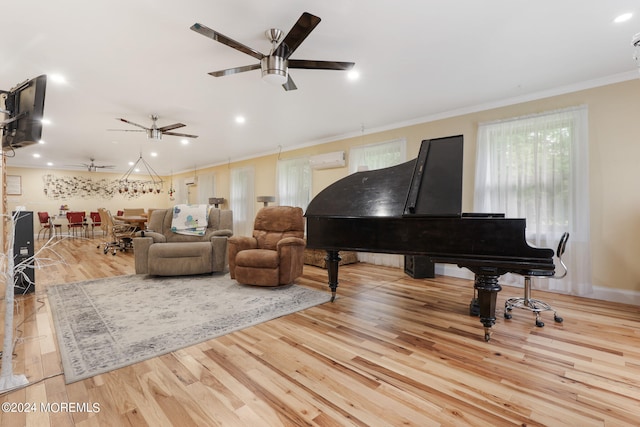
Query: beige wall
column 34, row 199
column 614, row 144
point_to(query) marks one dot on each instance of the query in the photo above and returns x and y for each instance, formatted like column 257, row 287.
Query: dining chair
column 95, row 222
column 76, row 222
column 46, row 224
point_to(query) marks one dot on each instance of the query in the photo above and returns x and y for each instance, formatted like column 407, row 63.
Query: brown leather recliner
column 275, row 254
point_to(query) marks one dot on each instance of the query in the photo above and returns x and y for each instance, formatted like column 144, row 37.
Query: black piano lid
column 429, row 185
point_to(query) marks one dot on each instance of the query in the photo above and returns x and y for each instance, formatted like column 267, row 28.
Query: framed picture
column 14, row 185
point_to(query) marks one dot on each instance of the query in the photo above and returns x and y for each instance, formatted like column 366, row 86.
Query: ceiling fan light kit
column 274, row 70
column 275, row 66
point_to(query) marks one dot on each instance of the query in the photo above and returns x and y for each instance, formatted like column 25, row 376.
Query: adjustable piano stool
column 535, row 305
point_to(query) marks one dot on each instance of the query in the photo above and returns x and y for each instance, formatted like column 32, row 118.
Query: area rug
column 106, row 324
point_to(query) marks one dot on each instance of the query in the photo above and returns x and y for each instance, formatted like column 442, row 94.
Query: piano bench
column 316, row 257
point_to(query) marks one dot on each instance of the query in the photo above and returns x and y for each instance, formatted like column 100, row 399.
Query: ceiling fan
column 92, row 167
column 155, row 132
column 275, row 66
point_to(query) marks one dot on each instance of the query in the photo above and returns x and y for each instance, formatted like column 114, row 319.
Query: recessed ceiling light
column 131, row 163
column 240, row 119
column 49, row 164
column 184, row 141
column 154, row 154
column 36, row 155
column 623, row 18
column 41, row 141
column 57, row 78
column 46, row 121
column 353, row 75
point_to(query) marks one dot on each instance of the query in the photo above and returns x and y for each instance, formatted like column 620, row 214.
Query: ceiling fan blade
column 289, row 85
column 171, row 127
column 300, row 30
column 132, row 123
column 234, row 70
column 186, row 135
column 208, row 32
column 320, row 65
column 127, row 130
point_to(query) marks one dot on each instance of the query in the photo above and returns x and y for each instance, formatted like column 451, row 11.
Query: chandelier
column 137, row 186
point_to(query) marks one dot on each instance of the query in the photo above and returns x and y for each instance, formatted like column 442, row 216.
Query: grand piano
column 415, row 209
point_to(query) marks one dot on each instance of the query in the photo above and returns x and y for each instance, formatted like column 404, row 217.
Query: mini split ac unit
column 192, row 180
column 328, row 160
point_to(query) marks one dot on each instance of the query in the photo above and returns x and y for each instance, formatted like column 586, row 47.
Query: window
column 242, row 200
column 536, row 167
column 294, row 182
column 206, row 187
column 377, row 156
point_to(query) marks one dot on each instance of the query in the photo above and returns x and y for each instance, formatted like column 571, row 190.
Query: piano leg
column 333, row 260
column 488, row 288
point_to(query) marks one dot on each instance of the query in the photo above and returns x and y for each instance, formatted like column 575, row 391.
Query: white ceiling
column 417, row 59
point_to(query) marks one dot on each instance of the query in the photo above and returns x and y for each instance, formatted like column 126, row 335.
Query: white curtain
column 206, row 188
column 242, row 200
column 181, row 195
column 294, row 182
column 536, row 167
column 378, row 156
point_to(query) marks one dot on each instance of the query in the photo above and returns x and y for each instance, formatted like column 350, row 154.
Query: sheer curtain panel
column 294, row 182
column 536, row 167
column 242, row 200
column 378, row 156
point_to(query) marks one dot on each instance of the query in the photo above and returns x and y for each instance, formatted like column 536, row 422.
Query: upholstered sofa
column 162, row 252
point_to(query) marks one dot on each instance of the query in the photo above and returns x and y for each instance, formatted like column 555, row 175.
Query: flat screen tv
column 24, row 109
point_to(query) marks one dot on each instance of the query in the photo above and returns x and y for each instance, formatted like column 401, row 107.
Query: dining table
column 137, row 220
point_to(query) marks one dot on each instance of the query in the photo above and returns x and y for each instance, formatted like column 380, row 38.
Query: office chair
column 535, row 305
column 120, row 235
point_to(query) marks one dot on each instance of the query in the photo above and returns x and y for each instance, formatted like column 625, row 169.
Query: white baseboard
column 599, row 292
column 615, row 295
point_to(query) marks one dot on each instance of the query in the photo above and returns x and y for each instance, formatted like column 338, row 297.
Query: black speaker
column 419, row 267
column 24, row 282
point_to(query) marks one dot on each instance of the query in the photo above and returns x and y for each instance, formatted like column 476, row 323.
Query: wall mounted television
column 24, row 109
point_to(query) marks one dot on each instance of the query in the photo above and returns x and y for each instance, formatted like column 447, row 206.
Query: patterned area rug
column 106, row 324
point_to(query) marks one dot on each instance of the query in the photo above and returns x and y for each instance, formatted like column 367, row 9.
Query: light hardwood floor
column 391, row 350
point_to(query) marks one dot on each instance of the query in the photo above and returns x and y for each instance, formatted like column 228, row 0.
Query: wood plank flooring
column 390, row 351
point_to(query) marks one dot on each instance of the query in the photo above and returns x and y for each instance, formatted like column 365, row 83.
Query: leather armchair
column 275, row 254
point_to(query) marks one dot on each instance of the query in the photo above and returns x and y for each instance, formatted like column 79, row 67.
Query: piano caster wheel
column 557, row 318
column 487, row 334
column 507, row 315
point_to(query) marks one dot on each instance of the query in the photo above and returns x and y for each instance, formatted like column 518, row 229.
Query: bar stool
column 535, row 305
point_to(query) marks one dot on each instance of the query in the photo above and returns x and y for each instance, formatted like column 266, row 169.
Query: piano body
column 415, row 209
